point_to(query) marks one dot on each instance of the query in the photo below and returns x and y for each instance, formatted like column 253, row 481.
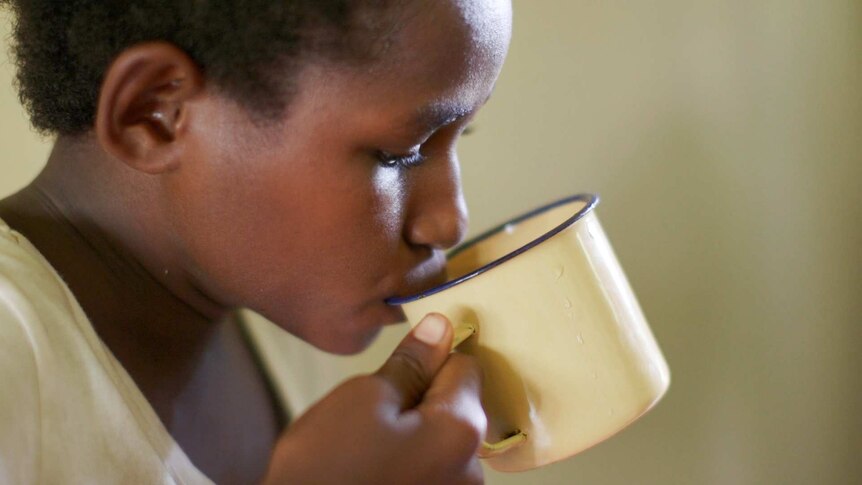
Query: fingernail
column 431, row 329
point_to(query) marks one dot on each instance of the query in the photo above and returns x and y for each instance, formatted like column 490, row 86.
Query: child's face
column 301, row 221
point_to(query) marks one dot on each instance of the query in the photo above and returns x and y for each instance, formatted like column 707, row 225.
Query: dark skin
column 166, row 347
column 176, row 209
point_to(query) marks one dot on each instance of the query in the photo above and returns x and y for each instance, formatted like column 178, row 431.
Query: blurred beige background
column 724, row 138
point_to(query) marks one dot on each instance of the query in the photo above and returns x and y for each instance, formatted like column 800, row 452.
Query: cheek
column 219, row 219
column 285, row 236
column 390, row 199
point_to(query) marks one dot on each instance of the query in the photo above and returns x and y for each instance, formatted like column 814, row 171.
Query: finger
column 412, row 366
column 453, row 401
column 458, row 383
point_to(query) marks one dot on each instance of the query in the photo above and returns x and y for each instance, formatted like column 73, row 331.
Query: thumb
column 414, row 363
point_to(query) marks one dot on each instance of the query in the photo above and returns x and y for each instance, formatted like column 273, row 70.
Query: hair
column 250, row 50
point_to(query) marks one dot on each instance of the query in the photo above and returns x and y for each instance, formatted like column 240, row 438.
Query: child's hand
column 416, row 420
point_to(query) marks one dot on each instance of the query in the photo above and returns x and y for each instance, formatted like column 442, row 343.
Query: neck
column 94, row 220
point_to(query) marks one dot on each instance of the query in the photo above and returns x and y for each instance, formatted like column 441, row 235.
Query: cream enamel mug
column 543, row 304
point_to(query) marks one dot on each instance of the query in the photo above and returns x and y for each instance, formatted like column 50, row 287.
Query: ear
column 143, row 106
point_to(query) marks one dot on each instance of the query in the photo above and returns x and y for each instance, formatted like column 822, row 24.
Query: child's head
column 294, row 157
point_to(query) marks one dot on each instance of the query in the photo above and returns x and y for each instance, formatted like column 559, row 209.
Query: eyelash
column 410, row 160
column 401, row 161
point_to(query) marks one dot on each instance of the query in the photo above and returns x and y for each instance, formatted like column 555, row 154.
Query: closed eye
column 409, row 160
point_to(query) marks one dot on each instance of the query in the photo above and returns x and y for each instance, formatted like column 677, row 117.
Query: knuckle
column 468, row 365
column 457, row 458
column 464, row 434
column 364, row 391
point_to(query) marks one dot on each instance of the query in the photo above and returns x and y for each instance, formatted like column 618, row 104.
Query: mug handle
column 462, row 333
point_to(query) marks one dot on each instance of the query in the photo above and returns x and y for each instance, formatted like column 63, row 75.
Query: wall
column 724, row 138
column 22, row 151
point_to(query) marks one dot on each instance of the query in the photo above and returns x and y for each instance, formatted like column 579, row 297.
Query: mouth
column 422, row 277
column 394, row 314
column 411, row 290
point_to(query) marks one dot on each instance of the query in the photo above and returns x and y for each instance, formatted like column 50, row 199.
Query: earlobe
column 143, row 106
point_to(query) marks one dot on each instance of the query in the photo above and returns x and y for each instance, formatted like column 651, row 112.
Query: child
column 295, row 157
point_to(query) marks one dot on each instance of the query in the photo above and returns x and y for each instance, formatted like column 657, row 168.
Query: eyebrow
column 435, row 116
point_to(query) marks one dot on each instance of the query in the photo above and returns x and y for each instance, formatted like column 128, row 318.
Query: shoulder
column 34, row 300
column 24, row 272
column 19, row 371
column 37, row 337
column 17, row 303
column 34, row 304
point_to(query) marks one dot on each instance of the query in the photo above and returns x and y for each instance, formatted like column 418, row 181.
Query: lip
column 395, row 313
column 590, row 202
column 425, row 277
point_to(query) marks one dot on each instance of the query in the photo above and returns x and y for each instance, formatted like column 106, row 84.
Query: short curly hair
column 247, row 48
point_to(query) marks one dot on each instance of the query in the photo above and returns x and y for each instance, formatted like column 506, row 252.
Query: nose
column 437, row 214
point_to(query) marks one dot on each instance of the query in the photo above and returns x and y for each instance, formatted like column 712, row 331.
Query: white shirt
column 69, row 412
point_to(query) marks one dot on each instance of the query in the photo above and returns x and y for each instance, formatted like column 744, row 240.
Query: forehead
column 441, row 60
column 444, row 53
column 447, row 42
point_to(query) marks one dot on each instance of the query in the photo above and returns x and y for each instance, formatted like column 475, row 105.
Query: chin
column 342, row 334
column 347, row 343
column 342, row 338
column 349, row 336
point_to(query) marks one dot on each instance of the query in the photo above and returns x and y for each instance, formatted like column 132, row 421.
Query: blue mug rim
column 591, row 200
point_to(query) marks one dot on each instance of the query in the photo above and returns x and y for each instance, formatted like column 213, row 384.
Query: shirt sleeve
column 19, row 399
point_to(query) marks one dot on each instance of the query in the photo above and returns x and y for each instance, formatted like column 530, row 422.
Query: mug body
column 568, row 356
